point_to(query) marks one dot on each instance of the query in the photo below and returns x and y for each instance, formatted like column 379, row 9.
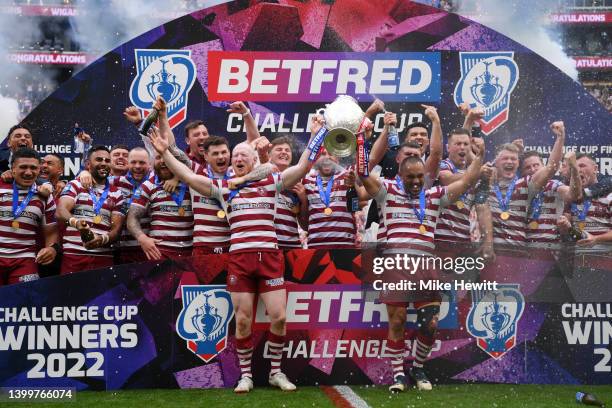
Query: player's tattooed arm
column 133, row 221
column 180, row 155
column 201, row 184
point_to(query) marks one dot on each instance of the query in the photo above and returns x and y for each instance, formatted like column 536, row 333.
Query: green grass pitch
column 477, row 395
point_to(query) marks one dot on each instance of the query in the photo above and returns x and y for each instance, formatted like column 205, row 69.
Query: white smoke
column 99, row 27
column 524, row 21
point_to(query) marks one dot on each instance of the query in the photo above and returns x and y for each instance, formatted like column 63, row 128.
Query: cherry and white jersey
column 83, row 210
column 336, row 230
column 402, row 224
column 551, row 208
column 251, row 212
column 209, row 230
column 287, row 209
column 454, row 224
column 170, row 223
column 512, row 231
column 131, row 190
column 20, row 242
column 598, row 218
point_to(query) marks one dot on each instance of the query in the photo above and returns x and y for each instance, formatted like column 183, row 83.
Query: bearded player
column 256, row 264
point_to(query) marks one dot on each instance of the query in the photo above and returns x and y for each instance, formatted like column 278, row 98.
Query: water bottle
column 352, row 201
column 588, row 399
column 393, row 137
column 148, row 122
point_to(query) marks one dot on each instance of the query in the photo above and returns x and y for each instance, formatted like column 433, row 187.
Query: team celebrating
column 240, row 208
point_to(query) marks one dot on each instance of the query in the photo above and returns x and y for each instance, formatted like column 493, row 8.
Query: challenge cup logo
column 203, row 322
column 166, row 73
column 487, row 81
column 494, row 317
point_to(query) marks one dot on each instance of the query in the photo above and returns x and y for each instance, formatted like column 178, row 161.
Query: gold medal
column 181, row 211
column 581, row 225
column 220, row 214
column 422, row 229
column 15, row 224
column 295, row 209
column 328, row 211
column 505, row 215
column 97, row 219
column 460, row 205
column 533, row 225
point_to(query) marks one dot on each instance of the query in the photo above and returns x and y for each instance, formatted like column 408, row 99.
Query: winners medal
column 97, row 219
column 581, row 225
column 295, row 209
column 15, row 224
column 460, row 205
column 504, row 202
column 220, row 214
column 533, row 225
column 19, row 208
column 422, row 229
column 328, row 211
column 181, row 211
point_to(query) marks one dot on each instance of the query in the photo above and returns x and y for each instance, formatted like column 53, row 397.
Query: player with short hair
column 592, row 216
column 119, row 160
column 547, row 206
column 256, row 265
column 511, row 195
column 292, row 204
column 411, row 213
column 51, row 169
column 24, row 215
column 99, row 209
column 171, row 216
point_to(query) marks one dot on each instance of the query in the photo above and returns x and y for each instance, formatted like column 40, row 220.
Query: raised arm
column 250, row 126
column 574, row 191
column 292, row 175
column 541, row 177
column 432, row 164
column 455, row 189
column 199, row 183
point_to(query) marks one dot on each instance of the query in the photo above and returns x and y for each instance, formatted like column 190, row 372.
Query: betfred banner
column 288, row 59
column 522, row 319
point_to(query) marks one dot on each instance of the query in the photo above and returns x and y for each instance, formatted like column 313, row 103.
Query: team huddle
column 237, row 209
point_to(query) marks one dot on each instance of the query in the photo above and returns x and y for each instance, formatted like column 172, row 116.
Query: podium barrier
column 169, row 324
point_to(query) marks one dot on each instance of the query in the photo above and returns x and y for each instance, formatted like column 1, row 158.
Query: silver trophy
column 343, row 118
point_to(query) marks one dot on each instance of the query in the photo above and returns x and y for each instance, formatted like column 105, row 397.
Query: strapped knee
column 427, row 320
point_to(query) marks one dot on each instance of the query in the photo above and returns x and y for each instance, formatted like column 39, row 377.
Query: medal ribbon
column 178, row 198
column 504, row 203
column 536, row 206
column 325, row 194
column 19, row 208
column 585, row 209
column 98, row 203
column 136, row 186
column 420, row 213
column 211, row 174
